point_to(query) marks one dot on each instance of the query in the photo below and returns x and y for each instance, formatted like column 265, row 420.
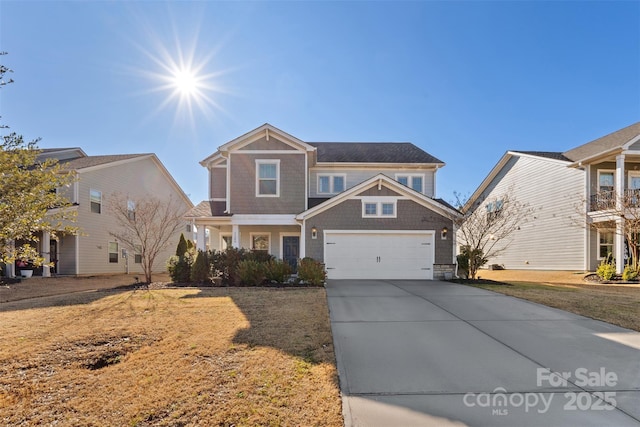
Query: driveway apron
column 430, row 353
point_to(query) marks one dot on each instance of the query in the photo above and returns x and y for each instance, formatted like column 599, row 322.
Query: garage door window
column 378, row 209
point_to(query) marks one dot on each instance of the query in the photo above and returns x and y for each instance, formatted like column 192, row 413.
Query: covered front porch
column 278, row 235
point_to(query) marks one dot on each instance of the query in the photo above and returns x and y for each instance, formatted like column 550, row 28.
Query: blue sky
column 464, row 80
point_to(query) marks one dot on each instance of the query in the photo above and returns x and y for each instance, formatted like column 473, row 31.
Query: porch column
column 619, row 239
column 235, row 236
column 201, row 245
column 11, row 266
column 303, row 239
column 46, row 254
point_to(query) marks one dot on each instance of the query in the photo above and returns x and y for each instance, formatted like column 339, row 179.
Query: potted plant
column 25, row 268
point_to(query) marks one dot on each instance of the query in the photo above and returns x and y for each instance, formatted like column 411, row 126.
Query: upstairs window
column 605, row 180
column 131, row 210
column 330, row 184
column 95, row 198
column 414, row 181
column 267, row 178
column 494, row 208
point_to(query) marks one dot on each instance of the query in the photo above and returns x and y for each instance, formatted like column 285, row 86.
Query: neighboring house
column 94, row 251
column 367, row 210
column 567, row 192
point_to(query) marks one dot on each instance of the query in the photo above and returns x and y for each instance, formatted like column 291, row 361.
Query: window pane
column 260, row 243
column 606, row 179
column 416, row 183
column 268, row 171
column 387, row 209
column 403, row 180
column 113, row 252
column 268, row 187
column 323, row 184
column 338, row 184
column 370, row 209
column 95, row 196
column 226, row 242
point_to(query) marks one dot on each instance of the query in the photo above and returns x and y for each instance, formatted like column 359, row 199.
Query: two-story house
column 94, row 250
column 574, row 224
column 367, row 210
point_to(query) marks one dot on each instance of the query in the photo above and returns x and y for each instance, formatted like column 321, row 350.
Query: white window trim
column 379, row 202
column 613, row 245
column 117, row 252
column 631, row 174
column 267, row 162
column 331, row 177
column 259, row 234
column 91, row 201
column 222, row 236
column 410, row 177
column 612, row 171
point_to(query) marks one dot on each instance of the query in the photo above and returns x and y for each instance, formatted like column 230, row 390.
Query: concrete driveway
column 435, row 353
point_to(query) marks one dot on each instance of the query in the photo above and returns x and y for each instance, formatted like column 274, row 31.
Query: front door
column 291, row 251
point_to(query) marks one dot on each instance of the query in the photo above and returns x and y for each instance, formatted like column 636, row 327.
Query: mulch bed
column 479, row 281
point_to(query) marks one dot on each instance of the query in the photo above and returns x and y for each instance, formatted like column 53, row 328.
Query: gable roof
column 372, row 152
column 91, row 161
column 548, row 156
column 381, row 179
column 554, row 155
column 608, row 143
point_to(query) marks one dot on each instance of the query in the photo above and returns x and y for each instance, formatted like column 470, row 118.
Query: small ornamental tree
column 485, row 229
column 182, row 246
column 200, row 271
column 147, row 223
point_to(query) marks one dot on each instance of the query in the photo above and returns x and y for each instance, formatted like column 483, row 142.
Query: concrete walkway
column 431, row 353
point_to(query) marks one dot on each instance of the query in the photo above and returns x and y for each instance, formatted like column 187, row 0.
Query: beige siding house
column 366, row 210
column 569, row 192
column 94, row 251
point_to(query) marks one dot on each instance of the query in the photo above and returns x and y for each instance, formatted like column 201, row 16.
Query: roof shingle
column 372, row 152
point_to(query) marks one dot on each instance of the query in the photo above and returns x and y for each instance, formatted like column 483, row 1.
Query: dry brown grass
column 169, row 357
column 616, row 304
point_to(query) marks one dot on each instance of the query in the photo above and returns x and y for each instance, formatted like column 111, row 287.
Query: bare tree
column 146, row 225
column 625, row 207
column 486, row 225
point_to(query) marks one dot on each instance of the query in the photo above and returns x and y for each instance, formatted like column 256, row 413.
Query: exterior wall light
column 443, row 233
column 314, row 232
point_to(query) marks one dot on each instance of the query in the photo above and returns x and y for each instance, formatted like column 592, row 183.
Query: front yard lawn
column 619, row 305
column 173, row 357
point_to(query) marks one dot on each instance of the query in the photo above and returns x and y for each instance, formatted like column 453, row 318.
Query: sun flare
column 185, row 82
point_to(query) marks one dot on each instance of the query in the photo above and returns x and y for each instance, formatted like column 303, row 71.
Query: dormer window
column 331, row 183
column 268, row 178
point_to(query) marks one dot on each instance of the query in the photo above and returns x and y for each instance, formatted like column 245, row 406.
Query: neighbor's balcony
column 606, row 200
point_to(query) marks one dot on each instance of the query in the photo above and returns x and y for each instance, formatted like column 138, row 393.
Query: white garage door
column 379, row 255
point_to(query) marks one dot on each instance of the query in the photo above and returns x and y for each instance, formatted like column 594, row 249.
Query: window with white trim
column 131, row 210
column 331, row 183
column 415, row 181
column 260, row 242
column 606, row 240
column 113, row 252
column 95, row 198
column 137, row 254
column 379, row 208
column 268, row 178
column 606, row 180
column 225, row 242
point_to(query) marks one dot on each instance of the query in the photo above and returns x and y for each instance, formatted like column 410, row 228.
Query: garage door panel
column 378, row 255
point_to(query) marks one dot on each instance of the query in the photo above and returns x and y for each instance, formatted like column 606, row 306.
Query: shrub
column 251, row 273
column 182, row 246
column 225, row 265
column 606, row 270
column 470, row 260
column 259, row 256
column 311, row 272
column 629, row 273
column 200, row 271
column 179, row 268
column 277, row 271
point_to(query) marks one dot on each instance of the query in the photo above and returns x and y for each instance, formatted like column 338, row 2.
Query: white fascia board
column 593, row 158
column 257, row 219
column 533, row 156
column 488, row 179
column 390, row 183
column 265, row 129
column 212, row 159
